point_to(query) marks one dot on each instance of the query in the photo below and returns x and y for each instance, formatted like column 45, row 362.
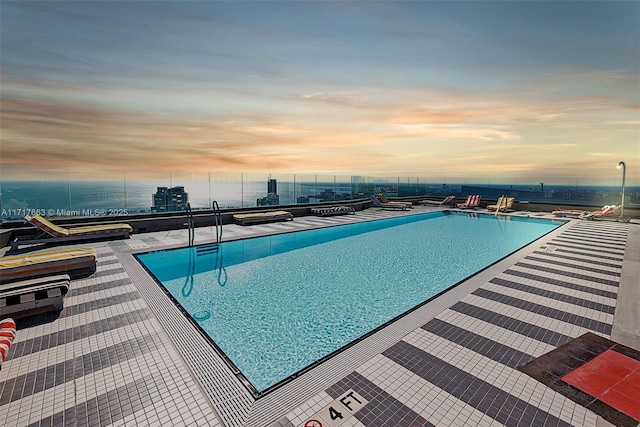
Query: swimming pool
column 277, row 305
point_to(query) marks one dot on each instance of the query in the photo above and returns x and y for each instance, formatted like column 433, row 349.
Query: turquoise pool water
column 275, row 305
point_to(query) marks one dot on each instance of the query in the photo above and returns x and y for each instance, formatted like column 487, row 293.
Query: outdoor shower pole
column 624, row 172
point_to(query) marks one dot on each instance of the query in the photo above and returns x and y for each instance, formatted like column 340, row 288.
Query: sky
column 484, row 91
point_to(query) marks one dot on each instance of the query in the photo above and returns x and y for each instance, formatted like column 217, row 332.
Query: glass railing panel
column 186, row 187
column 306, row 188
column 285, row 187
column 61, row 193
column 226, row 189
column 342, row 188
column 46, row 194
column 96, row 198
column 255, row 190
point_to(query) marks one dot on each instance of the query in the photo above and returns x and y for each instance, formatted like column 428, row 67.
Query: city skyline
column 519, row 92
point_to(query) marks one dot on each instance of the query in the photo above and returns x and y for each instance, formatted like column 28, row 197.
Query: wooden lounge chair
column 446, row 201
column 377, row 203
column 473, row 201
column 503, row 204
column 333, row 210
column 75, row 262
column 384, row 199
column 262, row 217
column 52, row 233
column 33, row 296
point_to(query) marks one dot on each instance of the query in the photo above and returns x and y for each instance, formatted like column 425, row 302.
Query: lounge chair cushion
column 57, row 231
column 75, row 262
column 251, row 218
column 334, row 210
column 471, row 202
column 377, row 203
column 444, row 201
column 501, row 203
column 7, row 335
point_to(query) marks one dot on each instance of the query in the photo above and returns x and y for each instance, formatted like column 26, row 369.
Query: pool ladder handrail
column 190, row 224
column 217, row 221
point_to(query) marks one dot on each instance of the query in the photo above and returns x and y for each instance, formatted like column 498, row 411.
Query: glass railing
column 70, row 194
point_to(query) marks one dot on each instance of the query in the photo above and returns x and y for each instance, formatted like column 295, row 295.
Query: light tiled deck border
column 108, row 359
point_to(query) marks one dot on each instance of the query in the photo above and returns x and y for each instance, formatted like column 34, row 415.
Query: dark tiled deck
column 108, row 358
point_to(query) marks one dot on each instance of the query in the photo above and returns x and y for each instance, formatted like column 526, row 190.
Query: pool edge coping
column 231, row 400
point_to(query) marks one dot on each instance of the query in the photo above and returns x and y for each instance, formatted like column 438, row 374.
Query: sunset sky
column 519, row 92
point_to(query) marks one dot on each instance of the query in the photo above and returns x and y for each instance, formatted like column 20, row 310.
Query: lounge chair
column 602, row 213
column 52, row 233
column 570, row 213
column 7, row 335
column 33, row 296
column 446, row 201
column 261, row 217
column 384, row 199
column 503, row 204
column 377, row 203
column 473, row 201
column 75, row 262
column 334, row 210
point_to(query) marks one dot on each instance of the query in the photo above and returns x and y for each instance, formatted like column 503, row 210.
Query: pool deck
column 121, row 354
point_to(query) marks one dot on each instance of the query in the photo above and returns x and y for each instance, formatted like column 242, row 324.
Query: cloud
column 361, row 130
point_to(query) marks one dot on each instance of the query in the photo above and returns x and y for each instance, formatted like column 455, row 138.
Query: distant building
column 272, row 197
column 170, row 199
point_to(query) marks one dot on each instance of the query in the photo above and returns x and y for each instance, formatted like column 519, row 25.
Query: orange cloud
column 398, row 132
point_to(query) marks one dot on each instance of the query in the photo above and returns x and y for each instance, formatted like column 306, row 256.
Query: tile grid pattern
column 107, row 360
column 459, row 368
column 103, row 360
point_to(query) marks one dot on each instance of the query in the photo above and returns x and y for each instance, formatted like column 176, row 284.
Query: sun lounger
column 76, row 262
column 570, row 213
column 52, row 233
column 384, row 199
column 334, row 210
column 33, row 296
column 473, row 201
column 446, row 201
column 377, row 203
column 7, row 335
column 261, row 217
column 606, row 211
column 503, row 204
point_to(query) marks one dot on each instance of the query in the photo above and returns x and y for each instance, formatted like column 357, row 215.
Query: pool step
column 207, row 249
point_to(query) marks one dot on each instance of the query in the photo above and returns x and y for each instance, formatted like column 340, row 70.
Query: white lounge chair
column 446, row 201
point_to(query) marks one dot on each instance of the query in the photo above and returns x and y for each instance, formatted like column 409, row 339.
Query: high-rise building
column 170, row 199
column 272, row 197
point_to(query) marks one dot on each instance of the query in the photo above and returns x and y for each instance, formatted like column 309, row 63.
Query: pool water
column 275, row 305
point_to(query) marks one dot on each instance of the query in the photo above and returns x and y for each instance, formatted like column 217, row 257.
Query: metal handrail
column 217, row 220
column 190, row 224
